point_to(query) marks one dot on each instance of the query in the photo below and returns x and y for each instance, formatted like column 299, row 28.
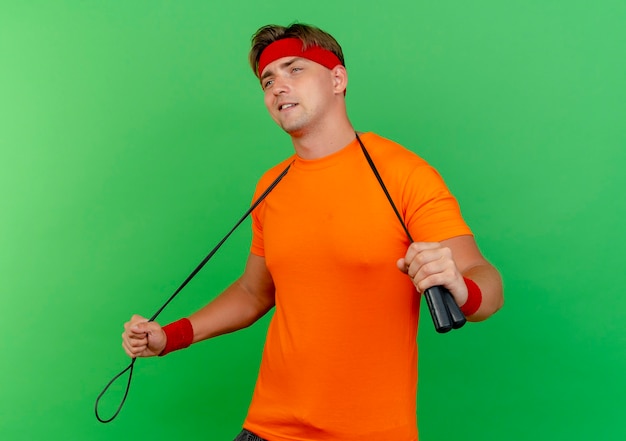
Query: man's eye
column 296, row 69
column 267, row 84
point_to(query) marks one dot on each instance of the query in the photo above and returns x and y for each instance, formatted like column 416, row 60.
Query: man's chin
column 293, row 130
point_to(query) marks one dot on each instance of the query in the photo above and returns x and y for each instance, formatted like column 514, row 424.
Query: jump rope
column 444, row 311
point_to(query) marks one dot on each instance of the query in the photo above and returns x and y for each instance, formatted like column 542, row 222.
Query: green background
column 132, row 134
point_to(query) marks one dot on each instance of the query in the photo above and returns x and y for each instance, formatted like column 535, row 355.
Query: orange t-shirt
column 340, row 358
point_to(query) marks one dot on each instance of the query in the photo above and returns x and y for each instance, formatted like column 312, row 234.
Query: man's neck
column 316, row 144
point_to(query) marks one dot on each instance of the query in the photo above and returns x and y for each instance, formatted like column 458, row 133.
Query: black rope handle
column 444, row 311
column 131, row 366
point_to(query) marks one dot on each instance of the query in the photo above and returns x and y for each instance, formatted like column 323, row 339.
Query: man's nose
column 281, row 85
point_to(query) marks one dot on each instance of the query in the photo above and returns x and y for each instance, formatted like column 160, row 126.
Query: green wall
column 132, row 134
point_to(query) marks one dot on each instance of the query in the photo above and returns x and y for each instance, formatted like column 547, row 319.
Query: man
column 340, row 359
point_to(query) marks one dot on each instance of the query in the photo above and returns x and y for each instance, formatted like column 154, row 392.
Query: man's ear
column 340, row 79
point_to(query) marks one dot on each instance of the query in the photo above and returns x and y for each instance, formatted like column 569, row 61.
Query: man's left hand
column 431, row 264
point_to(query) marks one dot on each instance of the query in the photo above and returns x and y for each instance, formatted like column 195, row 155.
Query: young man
column 328, row 252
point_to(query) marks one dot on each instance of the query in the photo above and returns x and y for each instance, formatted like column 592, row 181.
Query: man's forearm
column 490, row 283
column 236, row 308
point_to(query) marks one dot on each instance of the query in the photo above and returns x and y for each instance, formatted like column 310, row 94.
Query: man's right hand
column 142, row 338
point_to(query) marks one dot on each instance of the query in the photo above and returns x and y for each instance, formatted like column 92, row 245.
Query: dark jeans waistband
column 246, row 435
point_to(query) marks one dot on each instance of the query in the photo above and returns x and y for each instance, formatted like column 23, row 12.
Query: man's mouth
column 286, row 106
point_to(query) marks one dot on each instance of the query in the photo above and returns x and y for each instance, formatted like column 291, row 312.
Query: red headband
column 292, row 47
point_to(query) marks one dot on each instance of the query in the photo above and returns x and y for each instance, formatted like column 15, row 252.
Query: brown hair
column 309, row 35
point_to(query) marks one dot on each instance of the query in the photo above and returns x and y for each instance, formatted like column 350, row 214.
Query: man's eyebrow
column 269, row 73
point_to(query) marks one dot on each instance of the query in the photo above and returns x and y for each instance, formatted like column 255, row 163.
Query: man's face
column 297, row 92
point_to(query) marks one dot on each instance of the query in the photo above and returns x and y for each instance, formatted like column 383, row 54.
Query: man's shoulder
column 389, row 150
column 273, row 173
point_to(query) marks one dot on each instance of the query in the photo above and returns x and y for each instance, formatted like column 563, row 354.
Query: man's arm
column 240, row 305
column 446, row 263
